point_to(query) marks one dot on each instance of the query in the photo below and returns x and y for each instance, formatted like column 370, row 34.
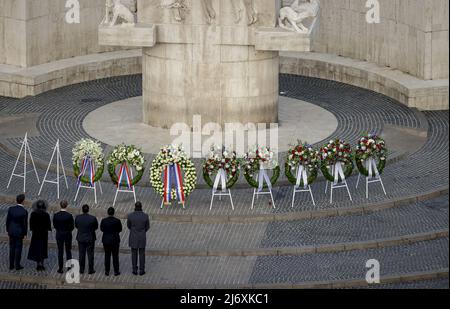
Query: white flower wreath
column 170, row 155
column 93, row 149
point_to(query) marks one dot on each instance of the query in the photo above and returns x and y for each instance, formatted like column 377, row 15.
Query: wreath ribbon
column 263, row 177
column 338, row 172
column 221, row 178
column 87, row 165
column 371, row 166
column 172, row 173
column 124, row 172
column 302, row 175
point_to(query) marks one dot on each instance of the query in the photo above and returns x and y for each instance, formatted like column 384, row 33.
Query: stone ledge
column 19, row 82
column 352, row 283
column 280, row 217
column 277, row 39
column 405, row 88
column 140, row 35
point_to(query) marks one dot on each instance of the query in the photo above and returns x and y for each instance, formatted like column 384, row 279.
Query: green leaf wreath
column 221, row 158
column 132, row 156
column 371, row 146
column 336, row 151
column 302, row 154
column 93, row 149
column 255, row 159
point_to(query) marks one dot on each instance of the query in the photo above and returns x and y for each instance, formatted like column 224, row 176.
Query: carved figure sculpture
column 210, row 13
column 249, row 6
column 116, row 10
column 178, row 8
column 292, row 17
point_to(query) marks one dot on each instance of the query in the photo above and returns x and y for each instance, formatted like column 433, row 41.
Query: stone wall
column 13, row 32
column 34, row 32
column 412, row 36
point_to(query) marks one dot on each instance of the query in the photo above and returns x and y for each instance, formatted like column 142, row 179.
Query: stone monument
column 214, row 58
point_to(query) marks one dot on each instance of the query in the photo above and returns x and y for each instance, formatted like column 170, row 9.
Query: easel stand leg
column 298, row 190
column 26, row 150
column 256, row 194
column 59, row 165
column 376, row 179
column 80, row 186
column 220, row 194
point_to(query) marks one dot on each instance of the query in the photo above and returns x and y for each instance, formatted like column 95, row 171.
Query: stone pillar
column 206, row 63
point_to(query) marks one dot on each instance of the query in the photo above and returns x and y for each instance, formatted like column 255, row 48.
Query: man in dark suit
column 111, row 228
column 17, row 229
column 64, row 225
column 86, row 225
column 138, row 223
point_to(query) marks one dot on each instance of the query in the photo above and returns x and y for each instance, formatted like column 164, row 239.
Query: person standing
column 111, row 228
column 40, row 225
column 138, row 223
column 86, row 225
column 64, row 225
column 17, row 229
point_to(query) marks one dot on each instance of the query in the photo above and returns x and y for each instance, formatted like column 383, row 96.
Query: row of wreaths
column 369, row 147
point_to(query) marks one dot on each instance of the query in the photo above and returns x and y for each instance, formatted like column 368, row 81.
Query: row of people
column 64, row 224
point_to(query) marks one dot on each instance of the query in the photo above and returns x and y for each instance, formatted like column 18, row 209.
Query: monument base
column 222, row 83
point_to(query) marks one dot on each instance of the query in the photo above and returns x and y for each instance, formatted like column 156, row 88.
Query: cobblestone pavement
column 351, row 265
column 426, row 284
column 425, row 171
column 239, row 271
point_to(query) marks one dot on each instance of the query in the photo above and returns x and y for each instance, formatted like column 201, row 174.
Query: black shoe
column 60, row 271
column 107, row 273
column 117, row 274
column 135, row 273
column 91, row 272
column 81, row 272
column 20, row 267
column 11, row 267
column 141, row 273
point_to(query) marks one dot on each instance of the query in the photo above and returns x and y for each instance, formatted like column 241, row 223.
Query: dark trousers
column 111, row 250
column 15, row 251
column 83, row 248
column 64, row 244
column 134, row 259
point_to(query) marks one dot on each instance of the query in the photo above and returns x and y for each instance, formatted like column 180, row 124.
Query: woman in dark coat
column 39, row 226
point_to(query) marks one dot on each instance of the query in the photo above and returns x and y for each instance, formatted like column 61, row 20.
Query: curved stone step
column 247, row 217
column 277, row 251
column 405, row 224
column 405, row 263
column 433, row 280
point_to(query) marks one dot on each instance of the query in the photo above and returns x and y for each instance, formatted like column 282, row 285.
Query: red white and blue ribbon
column 87, row 166
column 124, row 173
column 172, row 174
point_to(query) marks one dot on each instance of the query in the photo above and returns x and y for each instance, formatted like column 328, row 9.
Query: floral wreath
column 255, row 159
column 302, row 154
column 132, row 156
column 221, row 158
column 336, row 151
column 170, row 155
column 82, row 149
column 371, row 146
